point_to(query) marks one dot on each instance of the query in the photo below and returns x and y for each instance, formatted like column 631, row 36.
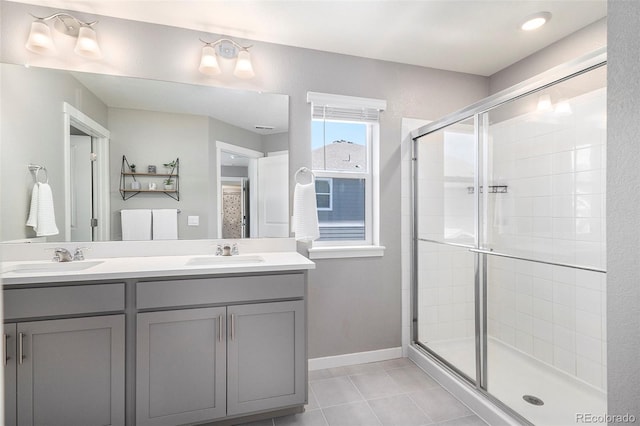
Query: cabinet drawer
column 67, row 300
column 156, row 294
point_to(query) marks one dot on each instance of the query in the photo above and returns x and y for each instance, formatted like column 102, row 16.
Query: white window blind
column 347, row 108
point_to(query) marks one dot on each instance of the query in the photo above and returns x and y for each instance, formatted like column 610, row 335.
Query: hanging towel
column 305, row 213
column 136, row 224
column 165, row 224
column 42, row 217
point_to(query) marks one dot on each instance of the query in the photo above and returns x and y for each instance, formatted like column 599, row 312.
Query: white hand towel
column 165, row 224
column 136, row 224
column 42, row 217
column 32, row 220
column 305, row 212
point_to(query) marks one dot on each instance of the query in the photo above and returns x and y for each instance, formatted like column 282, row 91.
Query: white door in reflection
column 273, row 196
column 81, row 188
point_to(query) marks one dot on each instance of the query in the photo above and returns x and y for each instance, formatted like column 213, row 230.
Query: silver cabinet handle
column 20, row 348
column 4, row 348
column 233, row 326
column 220, row 328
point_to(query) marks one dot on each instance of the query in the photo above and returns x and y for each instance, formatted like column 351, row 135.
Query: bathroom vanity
column 158, row 340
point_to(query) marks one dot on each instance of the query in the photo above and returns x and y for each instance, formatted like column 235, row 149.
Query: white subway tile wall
column 554, row 210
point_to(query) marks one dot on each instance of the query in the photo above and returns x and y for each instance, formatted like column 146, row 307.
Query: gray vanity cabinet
column 67, row 372
column 62, row 371
column 181, row 366
column 266, row 356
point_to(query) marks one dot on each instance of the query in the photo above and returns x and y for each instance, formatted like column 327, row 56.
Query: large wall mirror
column 88, row 129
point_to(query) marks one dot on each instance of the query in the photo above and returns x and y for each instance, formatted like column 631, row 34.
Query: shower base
column 513, row 374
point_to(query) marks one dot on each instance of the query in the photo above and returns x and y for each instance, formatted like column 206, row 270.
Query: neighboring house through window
column 344, row 155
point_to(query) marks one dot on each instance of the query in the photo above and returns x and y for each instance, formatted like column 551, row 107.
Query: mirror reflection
column 136, row 159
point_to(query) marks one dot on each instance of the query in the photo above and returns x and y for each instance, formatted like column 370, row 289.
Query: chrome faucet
column 62, row 255
column 79, row 255
column 227, row 249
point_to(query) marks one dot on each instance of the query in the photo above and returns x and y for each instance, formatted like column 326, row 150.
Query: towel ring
column 35, row 169
column 304, row 170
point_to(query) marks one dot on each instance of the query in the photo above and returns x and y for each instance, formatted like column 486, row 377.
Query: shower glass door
column 509, row 248
column 446, row 229
column 543, row 238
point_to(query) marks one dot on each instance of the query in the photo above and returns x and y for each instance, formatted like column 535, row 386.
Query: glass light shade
column 39, row 40
column 563, row 107
column 209, row 62
column 87, row 44
column 244, row 69
column 544, row 103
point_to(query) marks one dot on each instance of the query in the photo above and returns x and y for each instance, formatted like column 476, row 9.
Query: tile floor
column 394, row 392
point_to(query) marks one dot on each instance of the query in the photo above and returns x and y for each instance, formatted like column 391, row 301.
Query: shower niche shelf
column 129, row 178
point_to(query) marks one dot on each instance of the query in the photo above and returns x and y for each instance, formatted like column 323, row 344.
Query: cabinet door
column 181, row 364
column 9, row 362
column 266, row 356
column 71, row 372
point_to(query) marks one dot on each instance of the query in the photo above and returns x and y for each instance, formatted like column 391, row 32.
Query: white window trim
column 371, row 246
column 330, row 194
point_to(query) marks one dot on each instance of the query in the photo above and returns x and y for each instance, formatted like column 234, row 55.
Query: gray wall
column 32, row 131
column 275, row 142
column 151, row 137
column 623, row 214
column 354, row 304
column 583, row 41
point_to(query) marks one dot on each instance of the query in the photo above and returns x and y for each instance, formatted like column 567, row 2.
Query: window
column 344, row 156
column 324, row 199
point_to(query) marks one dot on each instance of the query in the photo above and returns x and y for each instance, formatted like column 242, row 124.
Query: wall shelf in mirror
column 130, row 186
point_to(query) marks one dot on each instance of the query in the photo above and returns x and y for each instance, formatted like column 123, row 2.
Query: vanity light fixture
column 40, row 40
column 227, row 49
column 535, row 21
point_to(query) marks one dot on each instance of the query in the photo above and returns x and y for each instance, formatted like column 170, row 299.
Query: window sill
column 340, row 252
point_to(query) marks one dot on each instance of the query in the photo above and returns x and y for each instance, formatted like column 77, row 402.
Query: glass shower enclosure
column 509, row 244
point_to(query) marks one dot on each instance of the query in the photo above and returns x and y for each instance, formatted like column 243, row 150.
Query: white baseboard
column 354, row 358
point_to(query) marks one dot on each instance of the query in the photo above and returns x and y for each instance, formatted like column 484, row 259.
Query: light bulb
column 40, row 39
column 244, row 69
column 563, row 107
column 209, row 62
column 535, row 21
column 87, row 44
column 544, row 103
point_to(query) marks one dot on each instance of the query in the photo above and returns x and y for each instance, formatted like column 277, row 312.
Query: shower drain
column 533, row 400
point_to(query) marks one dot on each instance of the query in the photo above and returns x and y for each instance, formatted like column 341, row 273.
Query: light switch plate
column 193, row 220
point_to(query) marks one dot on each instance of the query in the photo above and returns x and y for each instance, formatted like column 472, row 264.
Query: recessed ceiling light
column 535, row 21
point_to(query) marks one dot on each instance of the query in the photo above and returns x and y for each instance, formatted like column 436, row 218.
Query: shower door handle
column 544, row 262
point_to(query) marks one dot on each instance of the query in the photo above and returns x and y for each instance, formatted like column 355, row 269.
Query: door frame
column 101, row 200
column 253, row 178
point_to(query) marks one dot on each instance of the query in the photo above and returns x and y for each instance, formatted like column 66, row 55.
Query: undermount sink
column 53, row 266
column 223, row 260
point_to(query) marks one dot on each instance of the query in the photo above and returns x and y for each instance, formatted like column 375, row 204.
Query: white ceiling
column 474, row 36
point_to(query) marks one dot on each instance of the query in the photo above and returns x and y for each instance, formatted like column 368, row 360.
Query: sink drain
column 533, row 400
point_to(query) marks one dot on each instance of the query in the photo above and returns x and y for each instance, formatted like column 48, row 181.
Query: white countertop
column 115, row 268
